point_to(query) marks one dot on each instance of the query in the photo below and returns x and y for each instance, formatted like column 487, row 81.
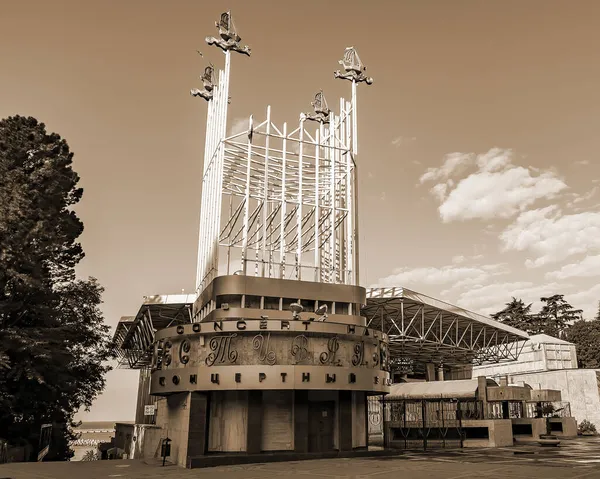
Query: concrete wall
column 534, row 357
column 579, row 387
column 359, row 419
column 500, row 433
column 228, row 421
column 173, row 416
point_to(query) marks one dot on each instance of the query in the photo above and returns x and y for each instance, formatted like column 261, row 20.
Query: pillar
column 300, row 421
column 345, row 421
column 430, row 372
column 198, row 425
column 482, row 393
column 254, row 430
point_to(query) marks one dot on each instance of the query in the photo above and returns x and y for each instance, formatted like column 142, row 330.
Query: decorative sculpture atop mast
column 229, row 40
column 208, row 80
column 322, row 111
column 355, row 70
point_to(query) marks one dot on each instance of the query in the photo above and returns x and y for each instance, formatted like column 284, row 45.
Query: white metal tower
column 279, row 201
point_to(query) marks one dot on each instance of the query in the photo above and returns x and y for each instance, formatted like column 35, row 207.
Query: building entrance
column 320, row 426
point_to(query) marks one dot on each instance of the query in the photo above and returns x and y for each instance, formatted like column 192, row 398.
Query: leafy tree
column 518, row 315
column 586, row 337
column 556, row 315
column 53, row 341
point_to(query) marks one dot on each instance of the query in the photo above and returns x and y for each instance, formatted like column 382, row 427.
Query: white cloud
column 458, row 259
column 582, row 162
column 238, row 125
column 400, row 140
column 491, row 298
column 588, row 267
column 553, row 237
column 455, row 277
column 586, row 300
column 577, row 198
column 454, row 163
column 497, row 189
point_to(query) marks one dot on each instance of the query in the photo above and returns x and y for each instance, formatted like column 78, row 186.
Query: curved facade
column 261, row 378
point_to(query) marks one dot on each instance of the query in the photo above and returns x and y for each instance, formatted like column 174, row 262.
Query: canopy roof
column 460, row 389
column 134, row 335
column 421, row 329
column 425, row 329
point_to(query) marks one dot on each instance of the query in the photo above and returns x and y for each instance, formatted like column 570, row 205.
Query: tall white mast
column 217, row 96
column 354, row 71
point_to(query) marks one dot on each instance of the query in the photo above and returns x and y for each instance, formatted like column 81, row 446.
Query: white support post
column 282, row 253
column 317, row 200
column 299, row 211
column 265, row 212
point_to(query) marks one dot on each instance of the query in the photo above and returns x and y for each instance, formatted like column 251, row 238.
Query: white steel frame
column 280, row 201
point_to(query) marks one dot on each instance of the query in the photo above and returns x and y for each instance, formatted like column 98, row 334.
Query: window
column 308, row 305
column 252, row 302
column 233, row 300
column 341, row 308
column 286, row 302
column 271, row 302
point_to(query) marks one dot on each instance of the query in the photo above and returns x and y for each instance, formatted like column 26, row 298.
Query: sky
column 478, row 147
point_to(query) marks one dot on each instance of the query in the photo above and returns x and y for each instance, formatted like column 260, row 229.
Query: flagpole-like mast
column 217, row 96
column 354, row 71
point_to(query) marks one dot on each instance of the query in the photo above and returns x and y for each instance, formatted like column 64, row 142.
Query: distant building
column 551, row 363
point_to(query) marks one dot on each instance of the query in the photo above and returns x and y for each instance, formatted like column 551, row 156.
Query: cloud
column 400, row 140
column 238, row 125
column 588, row 267
column 491, row 298
column 456, row 277
column 586, row 300
column 454, row 163
column 582, row 162
column 497, row 188
column 577, row 198
column 552, row 237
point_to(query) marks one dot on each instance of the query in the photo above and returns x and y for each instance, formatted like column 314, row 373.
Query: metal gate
column 425, row 423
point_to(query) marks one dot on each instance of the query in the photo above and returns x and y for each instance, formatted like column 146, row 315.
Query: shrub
column 586, row 426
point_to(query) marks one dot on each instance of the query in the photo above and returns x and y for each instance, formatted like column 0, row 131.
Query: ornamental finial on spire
column 354, row 70
column 230, row 40
column 322, row 111
column 208, row 81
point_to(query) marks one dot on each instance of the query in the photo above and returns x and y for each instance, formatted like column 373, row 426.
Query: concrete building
column 551, row 363
column 279, row 348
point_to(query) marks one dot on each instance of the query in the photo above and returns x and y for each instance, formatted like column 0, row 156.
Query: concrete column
column 301, row 421
column 441, row 373
column 198, row 425
column 430, row 372
column 254, row 430
column 482, row 393
column 345, row 420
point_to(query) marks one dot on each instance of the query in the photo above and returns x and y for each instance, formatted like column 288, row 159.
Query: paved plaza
column 572, row 460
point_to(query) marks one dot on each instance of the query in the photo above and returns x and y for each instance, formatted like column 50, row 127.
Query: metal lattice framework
column 134, row 336
column 279, row 201
column 427, row 330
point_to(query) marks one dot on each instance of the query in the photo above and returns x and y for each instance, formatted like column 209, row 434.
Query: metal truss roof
column 424, row 329
column 421, row 329
column 134, row 336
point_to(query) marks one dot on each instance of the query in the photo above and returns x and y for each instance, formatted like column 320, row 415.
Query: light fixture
column 296, row 309
column 322, row 312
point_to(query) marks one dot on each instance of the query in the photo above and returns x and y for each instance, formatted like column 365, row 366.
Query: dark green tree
column 556, row 314
column 54, row 343
column 518, row 315
column 586, row 337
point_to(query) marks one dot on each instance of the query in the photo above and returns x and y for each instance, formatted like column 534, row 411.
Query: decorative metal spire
column 322, row 111
column 354, row 68
column 208, row 80
column 230, row 40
